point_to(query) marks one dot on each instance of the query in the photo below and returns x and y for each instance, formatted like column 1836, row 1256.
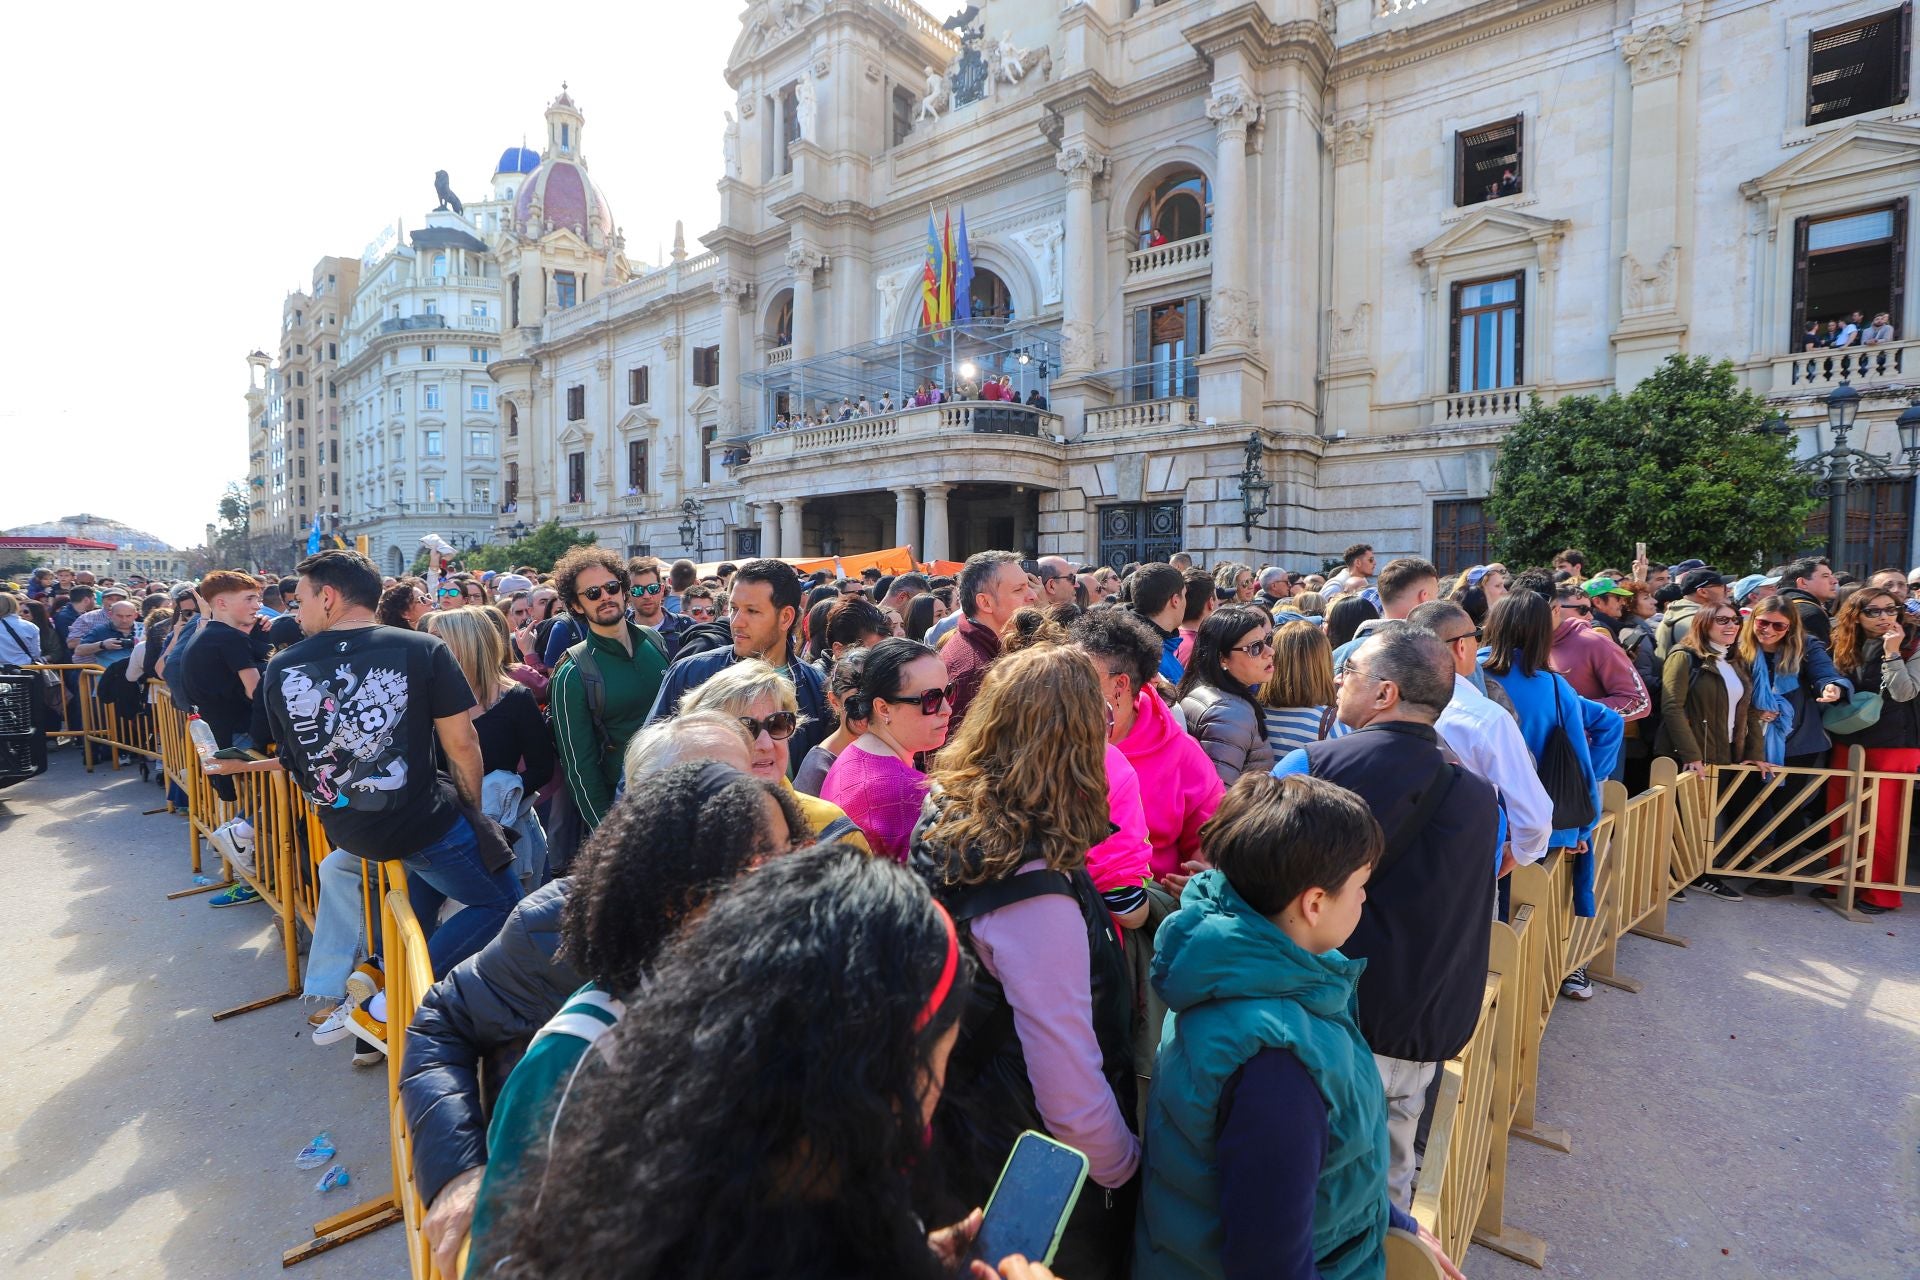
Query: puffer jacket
column 1230, row 730
column 487, row 1009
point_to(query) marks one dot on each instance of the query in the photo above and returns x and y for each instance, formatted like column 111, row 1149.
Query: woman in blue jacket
column 1519, row 655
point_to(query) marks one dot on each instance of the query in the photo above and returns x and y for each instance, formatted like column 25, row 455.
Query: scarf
column 1770, row 693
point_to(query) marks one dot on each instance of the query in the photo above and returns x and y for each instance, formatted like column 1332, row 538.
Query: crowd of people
column 1848, row 331
column 1191, row 870
column 850, row 408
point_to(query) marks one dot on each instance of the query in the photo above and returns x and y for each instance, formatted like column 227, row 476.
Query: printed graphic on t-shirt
column 348, row 717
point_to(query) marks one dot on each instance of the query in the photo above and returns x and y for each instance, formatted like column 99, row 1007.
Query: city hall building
column 1280, row 273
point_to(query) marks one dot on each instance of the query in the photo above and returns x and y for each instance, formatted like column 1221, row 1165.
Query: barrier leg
column 331, row 1233
column 1666, row 775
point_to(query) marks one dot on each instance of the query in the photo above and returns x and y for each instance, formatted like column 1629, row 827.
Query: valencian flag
column 313, row 537
column 962, row 272
column 933, row 277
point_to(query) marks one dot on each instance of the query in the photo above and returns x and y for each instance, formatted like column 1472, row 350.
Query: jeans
column 450, row 869
column 336, row 927
column 1406, row 1085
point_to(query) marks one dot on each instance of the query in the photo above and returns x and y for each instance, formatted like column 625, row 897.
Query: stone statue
column 445, row 192
column 936, row 94
column 807, row 109
column 730, row 145
column 1006, row 59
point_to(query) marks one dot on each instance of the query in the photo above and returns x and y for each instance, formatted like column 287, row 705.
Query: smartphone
column 1639, row 551
column 1031, row 1203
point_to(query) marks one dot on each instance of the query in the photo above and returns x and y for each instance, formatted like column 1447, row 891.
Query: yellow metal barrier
column 1644, row 876
column 1514, row 961
column 110, row 730
column 70, row 700
column 1453, row 1173
column 1796, row 830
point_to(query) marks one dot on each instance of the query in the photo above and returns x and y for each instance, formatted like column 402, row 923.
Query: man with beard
column 605, row 683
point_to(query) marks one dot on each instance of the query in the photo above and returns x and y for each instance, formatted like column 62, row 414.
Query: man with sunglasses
column 604, row 684
column 1593, row 663
column 647, row 602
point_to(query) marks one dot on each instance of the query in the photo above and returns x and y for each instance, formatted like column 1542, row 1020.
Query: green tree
column 541, row 548
column 1680, row 463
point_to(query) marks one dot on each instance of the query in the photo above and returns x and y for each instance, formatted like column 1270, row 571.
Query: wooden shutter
column 646, row 383
column 1897, row 298
column 1901, row 85
column 1459, row 167
column 1519, row 328
column 1143, row 354
column 1453, row 336
column 1520, row 151
column 1196, row 343
column 1797, row 322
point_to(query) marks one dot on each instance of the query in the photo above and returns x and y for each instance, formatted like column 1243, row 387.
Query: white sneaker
column 231, row 847
column 336, row 1028
column 365, row 1057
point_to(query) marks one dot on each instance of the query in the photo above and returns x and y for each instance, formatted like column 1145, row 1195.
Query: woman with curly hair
column 654, row 864
column 1873, row 649
column 403, row 604
column 1017, row 799
column 738, row 1130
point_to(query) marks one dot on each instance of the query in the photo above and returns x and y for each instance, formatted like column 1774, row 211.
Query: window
column 433, row 490
column 513, row 421
column 576, row 477
column 428, row 354
column 637, row 390
column 1486, row 162
column 706, row 366
column 1849, row 262
column 480, row 398
column 480, row 492
column 479, row 355
column 1860, row 66
column 333, row 452
column 299, row 378
column 1180, row 208
column 477, row 309
column 576, row 403
column 333, row 351
column 479, row 444
column 636, row 466
column 300, row 408
column 300, row 438
column 1878, row 525
column 789, row 129
column 303, row 495
column 1142, row 531
column 1487, row 347
column 430, row 444
column 1461, row 532
column 431, row 307
column 440, row 266
column 904, row 104
column 303, row 468
column 988, row 297
column 333, row 392
column 430, row 396
column 1166, row 339
column 513, row 301
column 510, row 491
column 397, row 406
column 564, row 291
column 708, row 435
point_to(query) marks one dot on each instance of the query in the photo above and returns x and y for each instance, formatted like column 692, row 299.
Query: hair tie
column 947, row 971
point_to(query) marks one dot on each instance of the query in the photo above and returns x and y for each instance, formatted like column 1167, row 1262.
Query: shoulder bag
column 1561, row 774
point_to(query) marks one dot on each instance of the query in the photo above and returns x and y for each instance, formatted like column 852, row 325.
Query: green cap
column 1604, row 587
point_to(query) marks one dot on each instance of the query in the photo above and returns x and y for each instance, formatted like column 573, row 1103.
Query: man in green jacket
column 604, row 687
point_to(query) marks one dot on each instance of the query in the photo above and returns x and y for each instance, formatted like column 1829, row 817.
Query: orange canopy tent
column 893, row 560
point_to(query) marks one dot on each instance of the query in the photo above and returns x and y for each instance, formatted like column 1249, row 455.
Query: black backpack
column 704, row 637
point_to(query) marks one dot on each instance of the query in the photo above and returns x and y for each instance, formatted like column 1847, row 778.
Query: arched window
column 1180, row 208
column 989, row 296
column 780, row 320
column 440, row 265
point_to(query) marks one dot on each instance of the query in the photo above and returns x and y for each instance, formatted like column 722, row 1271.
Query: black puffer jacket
column 485, row 1010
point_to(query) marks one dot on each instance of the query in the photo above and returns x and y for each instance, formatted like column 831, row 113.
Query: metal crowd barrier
column 1799, row 826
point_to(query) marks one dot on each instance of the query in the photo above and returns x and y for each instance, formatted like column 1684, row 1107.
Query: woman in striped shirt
column 1301, row 689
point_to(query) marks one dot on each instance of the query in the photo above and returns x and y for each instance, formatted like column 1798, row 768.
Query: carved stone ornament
column 822, row 66
column 1350, row 335
column 1231, row 317
column 889, row 286
column 746, row 102
column 801, row 257
column 1656, row 52
column 1080, row 162
column 1043, row 245
column 670, row 345
column 1077, row 346
column 1232, row 107
column 1352, row 140
column 731, row 292
column 873, row 72
column 1648, row 288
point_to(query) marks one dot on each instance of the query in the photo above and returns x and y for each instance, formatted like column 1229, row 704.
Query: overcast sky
column 178, row 170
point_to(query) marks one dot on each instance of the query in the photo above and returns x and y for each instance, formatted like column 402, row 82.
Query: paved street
column 1758, row 1098
column 137, row 1137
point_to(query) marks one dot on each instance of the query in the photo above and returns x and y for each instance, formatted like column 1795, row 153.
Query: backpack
column 703, row 637
column 594, row 684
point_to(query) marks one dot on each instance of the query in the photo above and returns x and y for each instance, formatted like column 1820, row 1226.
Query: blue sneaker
column 239, row 895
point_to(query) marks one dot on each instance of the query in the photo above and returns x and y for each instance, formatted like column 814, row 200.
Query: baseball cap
column 1751, row 583
column 1604, row 587
column 1700, row 578
column 512, row 582
column 182, row 591
column 1685, row 567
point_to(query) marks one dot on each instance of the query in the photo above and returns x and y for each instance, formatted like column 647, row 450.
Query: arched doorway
column 780, row 320
column 396, row 562
column 989, row 297
column 1179, row 207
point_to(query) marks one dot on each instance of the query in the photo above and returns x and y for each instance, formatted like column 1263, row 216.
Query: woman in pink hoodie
column 1168, row 764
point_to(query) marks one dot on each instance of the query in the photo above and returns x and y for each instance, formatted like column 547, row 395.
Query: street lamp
column 1253, row 487
column 690, row 512
column 1837, row 467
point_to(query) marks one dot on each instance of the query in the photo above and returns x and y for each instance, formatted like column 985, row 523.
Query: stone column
column 1081, row 164
column 731, row 291
column 769, row 528
column 906, row 517
column 803, row 260
column 1231, row 311
column 1652, row 316
column 792, row 513
column 936, row 538
column 1349, row 313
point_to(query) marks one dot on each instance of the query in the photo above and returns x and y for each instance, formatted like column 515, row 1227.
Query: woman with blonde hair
column 763, row 700
column 516, row 750
column 1016, row 800
column 1300, row 691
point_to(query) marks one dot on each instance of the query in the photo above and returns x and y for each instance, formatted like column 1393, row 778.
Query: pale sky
column 177, row 170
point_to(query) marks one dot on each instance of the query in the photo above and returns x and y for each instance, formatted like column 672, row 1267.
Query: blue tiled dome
column 518, row 160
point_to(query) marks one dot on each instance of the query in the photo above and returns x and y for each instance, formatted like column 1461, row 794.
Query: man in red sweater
column 1593, row 663
column 993, row 587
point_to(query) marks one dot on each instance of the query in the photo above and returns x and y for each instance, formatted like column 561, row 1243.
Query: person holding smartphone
column 1266, row 1131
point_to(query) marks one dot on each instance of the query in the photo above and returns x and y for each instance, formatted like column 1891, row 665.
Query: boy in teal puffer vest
column 1266, row 1134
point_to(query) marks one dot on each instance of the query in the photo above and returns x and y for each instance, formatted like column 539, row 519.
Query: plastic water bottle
column 203, row 740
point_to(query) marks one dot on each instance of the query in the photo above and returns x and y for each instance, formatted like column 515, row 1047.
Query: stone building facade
column 1284, row 272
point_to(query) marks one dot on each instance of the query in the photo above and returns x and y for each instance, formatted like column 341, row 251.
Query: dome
column 517, row 160
column 567, row 198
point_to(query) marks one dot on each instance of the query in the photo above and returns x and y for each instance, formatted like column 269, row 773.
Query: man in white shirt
column 1487, row 739
column 1849, row 331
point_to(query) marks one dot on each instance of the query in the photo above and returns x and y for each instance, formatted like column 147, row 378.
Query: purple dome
column 568, row 199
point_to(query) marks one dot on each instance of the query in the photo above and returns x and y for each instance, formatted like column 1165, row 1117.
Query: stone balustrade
column 1142, row 415
column 932, row 423
column 1479, row 408
column 779, row 356
column 1174, row 255
column 1864, row 367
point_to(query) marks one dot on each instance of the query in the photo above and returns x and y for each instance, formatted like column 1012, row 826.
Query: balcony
column 931, row 424
column 464, row 324
column 1864, row 367
column 1176, row 257
column 779, row 356
column 1143, row 415
column 1478, row 408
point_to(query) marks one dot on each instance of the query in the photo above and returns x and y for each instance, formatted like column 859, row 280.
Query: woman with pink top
column 1015, row 801
column 906, row 700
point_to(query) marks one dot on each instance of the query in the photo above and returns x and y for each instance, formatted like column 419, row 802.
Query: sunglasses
column 1727, row 620
column 1464, row 635
column 1254, row 650
column 702, row 611
column 779, row 726
column 649, row 589
column 449, row 593
column 1769, row 624
column 592, row 594
column 930, row 701
column 1582, row 609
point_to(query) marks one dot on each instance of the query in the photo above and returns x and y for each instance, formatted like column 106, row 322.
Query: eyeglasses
column 1257, row 649
column 779, row 726
column 1350, row 669
column 591, row 594
column 930, row 701
column 1574, row 607
column 650, row 589
column 1464, row 635
column 1770, row 624
column 1879, row 611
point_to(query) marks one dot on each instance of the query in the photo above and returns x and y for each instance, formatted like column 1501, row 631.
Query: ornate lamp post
column 1836, row 466
column 690, row 512
column 1253, row 487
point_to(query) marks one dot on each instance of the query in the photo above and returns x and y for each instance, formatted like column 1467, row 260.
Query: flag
column 313, row 537
column 931, row 277
column 962, row 272
column 946, row 271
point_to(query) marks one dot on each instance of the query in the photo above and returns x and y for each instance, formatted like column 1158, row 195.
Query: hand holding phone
column 1031, row 1203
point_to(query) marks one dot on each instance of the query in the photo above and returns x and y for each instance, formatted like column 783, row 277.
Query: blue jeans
column 450, row 869
column 336, row 927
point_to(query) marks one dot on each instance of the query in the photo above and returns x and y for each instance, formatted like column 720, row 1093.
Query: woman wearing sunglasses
column 907, row 701
column 1707, row 713
column 1872, row 649
column 763, row 701
column 1219, row 694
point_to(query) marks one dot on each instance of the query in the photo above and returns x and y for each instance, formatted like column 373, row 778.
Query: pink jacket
column 1599, row 669
column 1123, row 858
column 1175, row 771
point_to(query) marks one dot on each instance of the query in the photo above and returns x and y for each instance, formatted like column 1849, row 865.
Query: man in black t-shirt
column 218, row 674
column 355, row 711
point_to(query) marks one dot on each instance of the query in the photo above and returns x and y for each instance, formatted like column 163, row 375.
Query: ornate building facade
column 1283, row 272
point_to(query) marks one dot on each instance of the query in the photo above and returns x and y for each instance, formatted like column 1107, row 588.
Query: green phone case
column 1079, row 1184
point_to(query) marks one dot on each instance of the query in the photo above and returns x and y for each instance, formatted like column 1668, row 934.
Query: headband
column 942, row 988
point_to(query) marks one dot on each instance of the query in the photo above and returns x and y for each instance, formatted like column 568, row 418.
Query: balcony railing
column 779, row 356
column 1174, row 255
column 1862, row 366
column 1143, row 415
column 1480, row 408
column 931, row 424
column 465, row 324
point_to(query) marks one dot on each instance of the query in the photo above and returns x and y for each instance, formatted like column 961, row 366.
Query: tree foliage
column 541, row 548
column 1680, row 463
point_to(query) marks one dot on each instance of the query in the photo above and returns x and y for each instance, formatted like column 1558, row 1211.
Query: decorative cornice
column 1402, row 46
column 1264, row 42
